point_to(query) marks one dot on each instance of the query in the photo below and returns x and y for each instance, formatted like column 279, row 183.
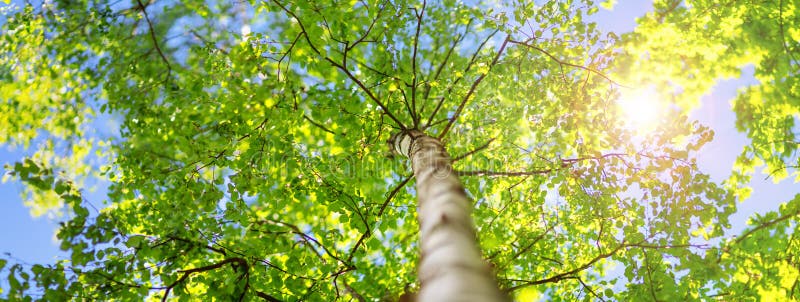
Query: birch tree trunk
column 451, row 267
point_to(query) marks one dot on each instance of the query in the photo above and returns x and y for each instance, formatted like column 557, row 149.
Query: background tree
column 251, row 161
column 707, row 41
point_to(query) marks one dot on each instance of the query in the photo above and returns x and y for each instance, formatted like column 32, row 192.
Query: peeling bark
column 451, row 267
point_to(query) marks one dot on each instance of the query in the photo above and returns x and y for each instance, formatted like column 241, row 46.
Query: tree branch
column 569, row 274
column 472, row 89
column 589, row 289
column 317, row 124
column 267, row 297
column 189, row 272
column 380, row 213
column 367, row 91
column 155, row 39
column 476, row 150
column 175, row 238
column 456, row 40
column 419, row 16
column 564, row 163
column 450, row 89
column 369, row 29
column 340, row 66
column 560, row 62
column 309, row 239
column 766, row 225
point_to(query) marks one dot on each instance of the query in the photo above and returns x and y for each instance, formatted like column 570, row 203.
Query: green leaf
column 134, row 241
column 608, row 4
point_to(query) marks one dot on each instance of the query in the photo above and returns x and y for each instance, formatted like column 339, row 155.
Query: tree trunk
column 451, row 267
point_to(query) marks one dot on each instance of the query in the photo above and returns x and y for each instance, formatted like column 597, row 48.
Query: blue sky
column 25, row 238
column 31, row 240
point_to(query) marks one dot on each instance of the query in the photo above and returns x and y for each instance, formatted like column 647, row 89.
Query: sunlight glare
column 641, row 109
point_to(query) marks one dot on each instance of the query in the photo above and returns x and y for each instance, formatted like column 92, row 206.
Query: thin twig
column 369, row 29
column 589, row 289
column 476, row 150
column 317, row 124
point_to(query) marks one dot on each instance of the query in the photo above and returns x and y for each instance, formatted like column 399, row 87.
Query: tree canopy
column 251, row 160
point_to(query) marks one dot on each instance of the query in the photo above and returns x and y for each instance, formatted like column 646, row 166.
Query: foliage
column 715, row 40
column 251, row 159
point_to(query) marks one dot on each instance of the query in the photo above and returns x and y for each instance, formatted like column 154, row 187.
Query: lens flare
column 641, row 109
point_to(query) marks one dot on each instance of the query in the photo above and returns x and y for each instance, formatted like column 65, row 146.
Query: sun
column 641, row 109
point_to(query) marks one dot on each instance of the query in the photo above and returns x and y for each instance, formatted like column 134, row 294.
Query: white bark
column 451, row 267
